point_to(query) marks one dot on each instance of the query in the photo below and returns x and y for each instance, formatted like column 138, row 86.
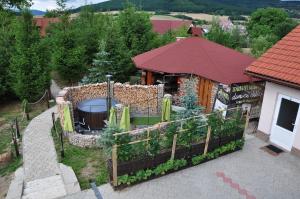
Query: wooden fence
column 181, row 130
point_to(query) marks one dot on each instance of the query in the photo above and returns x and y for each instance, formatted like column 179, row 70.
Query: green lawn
column 88, row 164
column 145, row 120
column 8, row 112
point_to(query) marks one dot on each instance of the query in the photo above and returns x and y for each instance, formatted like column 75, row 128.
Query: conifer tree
column 100, row 67
column 29, row 74
column 6, row 49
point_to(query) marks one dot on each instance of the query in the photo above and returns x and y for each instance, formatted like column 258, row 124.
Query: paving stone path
column 40, row 159
column 41, row 176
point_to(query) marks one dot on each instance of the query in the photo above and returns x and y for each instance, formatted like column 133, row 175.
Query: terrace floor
column 250, row 173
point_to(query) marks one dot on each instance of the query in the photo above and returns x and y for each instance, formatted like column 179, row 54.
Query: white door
column 286, row 121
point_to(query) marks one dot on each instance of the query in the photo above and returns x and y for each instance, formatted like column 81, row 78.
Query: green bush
column 219, row 151
column 145, row 174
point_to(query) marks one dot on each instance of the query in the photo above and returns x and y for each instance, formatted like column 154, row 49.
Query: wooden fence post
column 115, row 165
column 15, row 141
column 53, row 120
column 62, row 151
column 207, row 140
column 247, row 122
column 174, row 146
column 17, row 128
column 27, row 116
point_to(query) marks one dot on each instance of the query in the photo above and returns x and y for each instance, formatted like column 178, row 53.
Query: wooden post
column 181, row 125
column 53, row 120
column 247, row 122
column 148, row 136
column 15, row 141
column 207, row 140
column 62, row 151
column 115, row 165
column 17, row 128
column 27, row 116
column 174, row 147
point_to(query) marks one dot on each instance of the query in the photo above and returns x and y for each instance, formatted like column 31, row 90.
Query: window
column 287, row 114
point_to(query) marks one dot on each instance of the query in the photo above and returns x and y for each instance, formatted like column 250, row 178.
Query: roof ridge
column 175, row 43
column 210, row 59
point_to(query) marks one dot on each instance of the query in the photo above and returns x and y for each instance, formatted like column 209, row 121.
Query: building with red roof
column 163, row 26
column 43, row 23
column 217, row 69
column 280, row 114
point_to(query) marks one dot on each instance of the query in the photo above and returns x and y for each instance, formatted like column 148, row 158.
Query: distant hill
column 221, row 7
column 37, row 12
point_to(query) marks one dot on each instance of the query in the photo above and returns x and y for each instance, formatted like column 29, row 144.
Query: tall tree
column 28, row 70
column 90, row 28
column 14, row 3
column 101, row 66
column 119, row 56
column 136, row 28
column 266, row 21
column 67, row 54
column 6, row 48
column 266, row 26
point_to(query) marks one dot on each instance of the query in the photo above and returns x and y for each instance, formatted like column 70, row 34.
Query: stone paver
column 250, row 173
column 39, row 155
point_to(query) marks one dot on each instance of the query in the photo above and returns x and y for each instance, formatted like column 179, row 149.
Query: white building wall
column 269, row 104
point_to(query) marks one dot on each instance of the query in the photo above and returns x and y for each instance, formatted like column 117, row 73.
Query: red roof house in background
column 280, row 114
column 212, row 65
column 198, row 56
column 163, row 26
column 43, row 23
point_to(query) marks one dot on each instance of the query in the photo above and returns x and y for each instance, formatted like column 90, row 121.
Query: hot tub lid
column 96, row 105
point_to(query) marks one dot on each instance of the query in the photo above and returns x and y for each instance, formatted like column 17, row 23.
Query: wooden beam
column 207, row 140
column 115, row 165
column 174, row 147
column 149, row 78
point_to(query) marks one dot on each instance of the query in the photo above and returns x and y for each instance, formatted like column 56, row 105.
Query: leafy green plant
column 219, row 151
column 154, row 144
column 145, row 174
column 125, row 151
column 216, row 121
column 107, row 139
column 170, row 131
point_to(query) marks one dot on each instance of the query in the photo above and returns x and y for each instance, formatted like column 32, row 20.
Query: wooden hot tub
column 93, row 112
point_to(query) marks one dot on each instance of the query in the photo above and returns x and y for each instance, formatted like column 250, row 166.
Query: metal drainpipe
column 108, row 98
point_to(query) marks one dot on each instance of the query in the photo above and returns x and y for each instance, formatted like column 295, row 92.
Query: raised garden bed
column 136, row 171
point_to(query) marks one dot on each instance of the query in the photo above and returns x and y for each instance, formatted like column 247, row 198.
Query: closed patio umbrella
column 125, row 120
column 67, row 120
column 112, row 117
column 166, row 110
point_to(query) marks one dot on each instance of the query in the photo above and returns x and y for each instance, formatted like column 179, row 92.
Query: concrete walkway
column 41, row 176
column 250, row 173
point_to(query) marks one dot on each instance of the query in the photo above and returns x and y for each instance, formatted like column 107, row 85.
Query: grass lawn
column 8, row 112
column 88, row 164
column 145, row 121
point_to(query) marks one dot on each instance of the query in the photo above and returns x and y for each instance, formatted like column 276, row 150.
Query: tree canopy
column 6, row 49
column 14, row 3
column 266, row 26
column 29, row 74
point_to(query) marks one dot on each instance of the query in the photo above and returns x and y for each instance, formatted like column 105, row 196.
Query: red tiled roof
column 163, row 26
column 282, row 61
column 196, row 31
column 197, row 56
column 43, row 23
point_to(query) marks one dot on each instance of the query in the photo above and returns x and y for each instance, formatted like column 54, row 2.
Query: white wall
column 269, row 104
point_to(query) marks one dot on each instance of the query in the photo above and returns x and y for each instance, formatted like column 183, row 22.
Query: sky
column 51, row 4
